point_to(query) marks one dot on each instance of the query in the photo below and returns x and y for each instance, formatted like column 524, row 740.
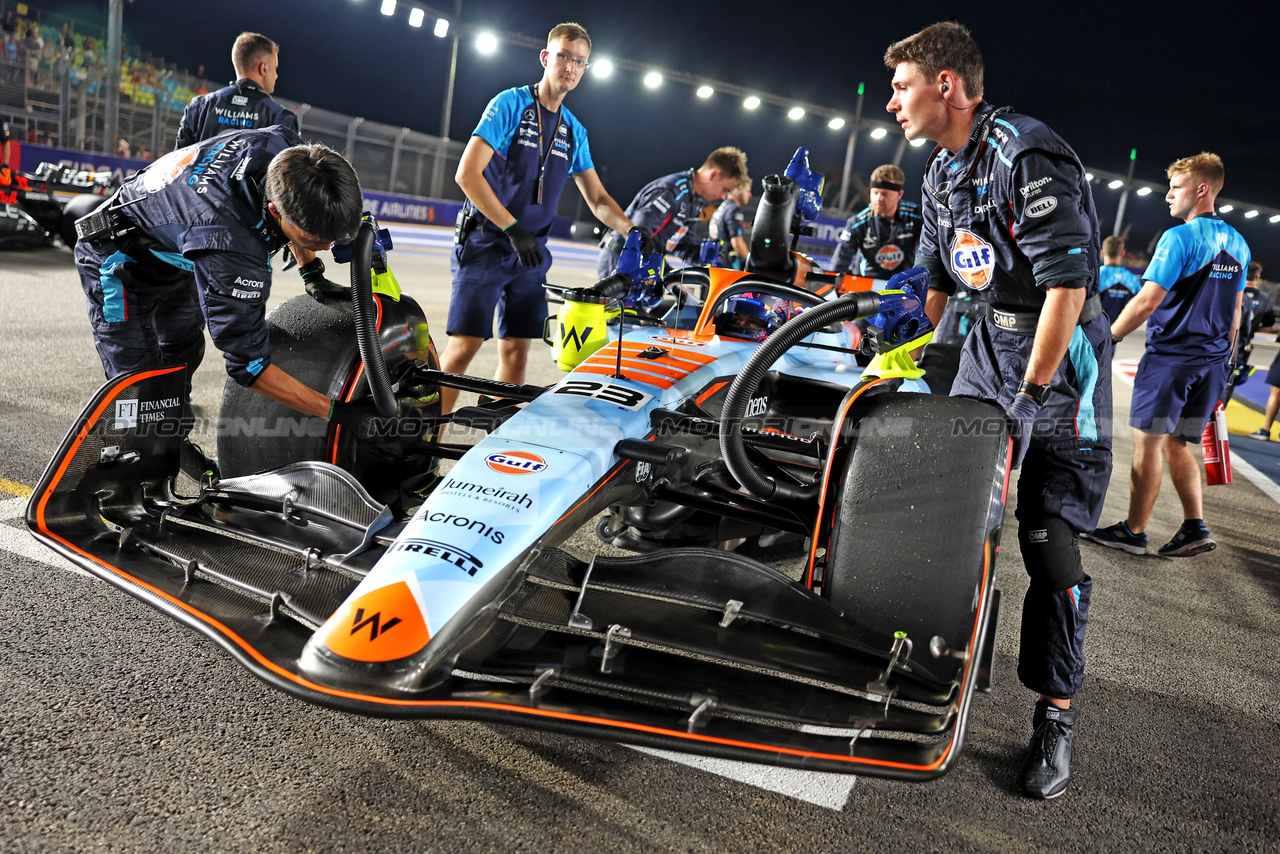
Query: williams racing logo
column 972, row 259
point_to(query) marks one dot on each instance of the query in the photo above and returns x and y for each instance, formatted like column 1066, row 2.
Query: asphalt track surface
column 123, row 731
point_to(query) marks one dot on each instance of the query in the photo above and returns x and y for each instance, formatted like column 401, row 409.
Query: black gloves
column 317, row 285
column 648, row 245
column 1022, row 412
column 525, row 245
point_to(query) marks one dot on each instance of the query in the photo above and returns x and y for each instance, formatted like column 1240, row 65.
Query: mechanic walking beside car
column 1190, row 299
column 1008, row 211
column 500, row 257
column 189, row 239
column 670, row 209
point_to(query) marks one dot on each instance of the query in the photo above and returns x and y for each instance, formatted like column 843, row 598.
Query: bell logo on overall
column 516, row 462
column 972, row 259
column 889, row 257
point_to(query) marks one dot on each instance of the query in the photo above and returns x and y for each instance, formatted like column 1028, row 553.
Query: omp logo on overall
column 516, row 462
column 972, row 259
column 463, row 560
column 889, row 257
column 126, row 415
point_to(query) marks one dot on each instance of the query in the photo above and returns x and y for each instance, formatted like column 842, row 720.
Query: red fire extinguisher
column 1216, row 449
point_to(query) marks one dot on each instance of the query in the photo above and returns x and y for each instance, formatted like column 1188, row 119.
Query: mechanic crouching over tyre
column 1008, row 211
column 189, row 240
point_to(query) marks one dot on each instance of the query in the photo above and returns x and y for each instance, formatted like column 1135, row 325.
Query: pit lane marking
column 18, row 541
column 821, row 788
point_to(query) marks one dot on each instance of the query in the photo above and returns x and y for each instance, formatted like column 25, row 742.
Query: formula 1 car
column 352, row 572
column 31, row 214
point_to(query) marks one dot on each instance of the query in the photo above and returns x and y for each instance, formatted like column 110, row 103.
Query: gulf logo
column 972, row 259
column 516, row 462
column 889, row 257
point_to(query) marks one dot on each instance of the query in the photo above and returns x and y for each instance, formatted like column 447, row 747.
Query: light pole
column 1124, row 197
column 848, row 151
column 115, row 25
column 437, row 171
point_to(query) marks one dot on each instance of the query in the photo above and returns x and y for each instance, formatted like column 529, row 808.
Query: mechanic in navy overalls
column 672, row 209
column 189, row 239
column 1117, row 284
column 884, row 234
column 1191, row 297
column 728, row 227
column 500, row 258
column 1007, row 210
column 246, row 103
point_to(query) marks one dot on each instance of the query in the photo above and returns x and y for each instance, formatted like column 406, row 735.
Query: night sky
column 1167, row 79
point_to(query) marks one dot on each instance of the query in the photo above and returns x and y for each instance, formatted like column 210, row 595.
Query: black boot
column 195, row 464
column 1047, row 769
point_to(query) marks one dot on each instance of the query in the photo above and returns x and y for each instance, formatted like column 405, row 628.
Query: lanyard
column 980, row 133
column 543, row 158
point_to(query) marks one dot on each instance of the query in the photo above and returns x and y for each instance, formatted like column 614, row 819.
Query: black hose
column 732, row 448
column 365, row 315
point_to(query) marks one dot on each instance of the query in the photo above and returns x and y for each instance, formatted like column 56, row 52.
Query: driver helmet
column 746, row 318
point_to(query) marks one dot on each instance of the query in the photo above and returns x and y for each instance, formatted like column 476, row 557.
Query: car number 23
column 619, row 395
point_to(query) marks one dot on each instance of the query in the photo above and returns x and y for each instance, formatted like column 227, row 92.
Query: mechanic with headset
column 1007, row 210
column 884, row 234
column 1117, row 284
column 246, row 103
column 1191, row 296
column 500, row 258
column 727, row 227
column 671, row 209
column 189, row 239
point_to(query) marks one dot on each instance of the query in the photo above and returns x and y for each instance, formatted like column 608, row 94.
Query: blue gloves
column 1022, row 415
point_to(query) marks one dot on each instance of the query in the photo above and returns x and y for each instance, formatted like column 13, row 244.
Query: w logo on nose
column 375, row 624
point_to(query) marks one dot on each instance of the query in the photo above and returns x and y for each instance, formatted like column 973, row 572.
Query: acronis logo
column 972, row 259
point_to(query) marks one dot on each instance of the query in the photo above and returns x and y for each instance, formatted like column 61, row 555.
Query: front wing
column 692, row 650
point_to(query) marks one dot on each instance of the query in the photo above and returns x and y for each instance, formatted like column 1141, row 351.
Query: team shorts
column 1175, row 399
column 1273, row 375
column 487, row 275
